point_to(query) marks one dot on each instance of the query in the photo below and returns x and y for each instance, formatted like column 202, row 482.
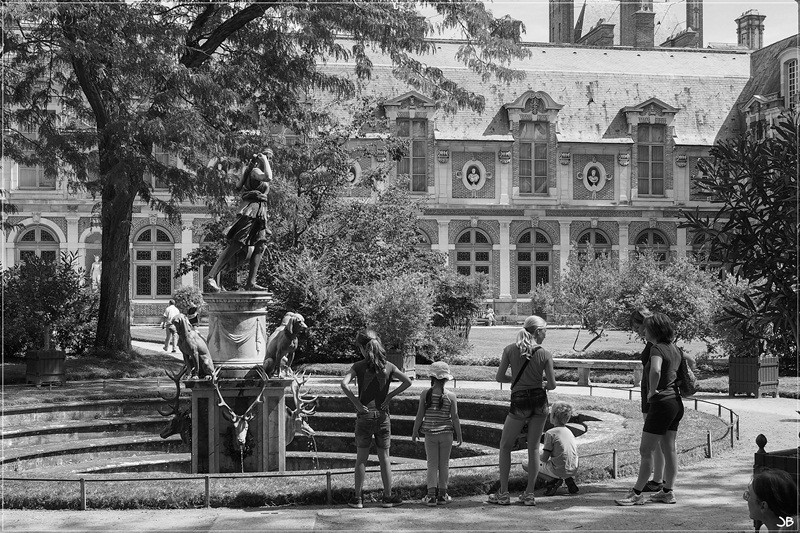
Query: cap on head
column 440, row 370
column 534, row 322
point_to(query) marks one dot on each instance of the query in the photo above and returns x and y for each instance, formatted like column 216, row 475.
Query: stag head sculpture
column 241, row 423
column 181, row 421
column 305, row 406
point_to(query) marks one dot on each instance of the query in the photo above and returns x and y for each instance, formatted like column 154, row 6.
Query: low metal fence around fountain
column 731, row 433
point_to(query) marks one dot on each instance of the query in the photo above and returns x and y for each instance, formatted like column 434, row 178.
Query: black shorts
column 664, row 415
column 375, row 426
column 528, row 403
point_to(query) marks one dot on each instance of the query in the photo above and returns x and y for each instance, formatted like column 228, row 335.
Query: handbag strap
column 524, row 366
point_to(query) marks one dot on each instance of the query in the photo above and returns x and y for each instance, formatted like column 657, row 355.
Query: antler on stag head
column 181, row 421
column 304, row 405
column 240, row 422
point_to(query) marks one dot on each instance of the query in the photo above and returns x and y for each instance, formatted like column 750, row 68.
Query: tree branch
column 197, row 57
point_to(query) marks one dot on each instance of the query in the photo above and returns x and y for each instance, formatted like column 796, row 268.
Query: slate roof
column 766, row 71
column 593, row 84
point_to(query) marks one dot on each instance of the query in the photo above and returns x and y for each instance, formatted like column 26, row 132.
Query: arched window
column 423, row 242
column 153, row 264
column 473, row 253
column 655, row 242
column 534, row 256
column 598, row 240
column 37, row 241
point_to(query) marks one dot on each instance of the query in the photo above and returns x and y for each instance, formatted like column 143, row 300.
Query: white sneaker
column 631, row 499
column 663, row 497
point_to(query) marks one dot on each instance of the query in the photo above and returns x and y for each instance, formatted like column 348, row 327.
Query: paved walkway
column 709, row 496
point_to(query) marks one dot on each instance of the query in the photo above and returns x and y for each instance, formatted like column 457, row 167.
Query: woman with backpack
column 664, row 413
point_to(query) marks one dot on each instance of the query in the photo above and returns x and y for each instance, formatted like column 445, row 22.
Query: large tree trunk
column 113, row 326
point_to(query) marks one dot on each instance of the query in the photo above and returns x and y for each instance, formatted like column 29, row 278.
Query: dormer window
column 533, row 157
column 410, row 113
column 415, row 163
column 792, row 81
column 651, row 139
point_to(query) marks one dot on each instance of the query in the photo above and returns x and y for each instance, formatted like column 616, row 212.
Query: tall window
column 415, row 164
column 598, row 240
column 651, row 159
column 533, row 157
column 653, row 241
column 473, row 253
column 534, row 255
column 792, row 83
column 37, row 241
column 152, row 263
column 33, row 177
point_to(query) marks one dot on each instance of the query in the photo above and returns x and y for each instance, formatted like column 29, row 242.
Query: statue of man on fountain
column 248, row 235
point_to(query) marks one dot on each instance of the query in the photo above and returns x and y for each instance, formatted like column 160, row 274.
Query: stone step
column 181, row 463
column 59, row 431
column 30, row 457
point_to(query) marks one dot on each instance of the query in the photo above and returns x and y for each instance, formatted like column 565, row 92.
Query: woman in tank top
column 529, row 363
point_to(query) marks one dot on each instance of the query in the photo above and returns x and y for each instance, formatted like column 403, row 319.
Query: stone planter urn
column 753, row 375
column 405, row 361
column 45, row 366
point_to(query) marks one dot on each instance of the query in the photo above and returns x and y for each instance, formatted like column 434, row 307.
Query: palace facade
column 598, row 145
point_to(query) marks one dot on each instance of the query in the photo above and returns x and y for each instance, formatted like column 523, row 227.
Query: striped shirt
column 437, row 420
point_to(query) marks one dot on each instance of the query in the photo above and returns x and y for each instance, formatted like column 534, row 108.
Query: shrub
column 47, row 300
column 399, row 309
column 688, row 295
column 457, row 299
column 189, row 296
column 442, row 344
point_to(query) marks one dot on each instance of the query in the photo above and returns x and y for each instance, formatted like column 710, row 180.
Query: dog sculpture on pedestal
column 283, row 343
column 194, row 349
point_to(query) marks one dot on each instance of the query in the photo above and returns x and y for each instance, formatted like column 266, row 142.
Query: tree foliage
column 754, row 231
column 458, row 299
column 590, row 290
column 200, row 80
column 47, row 299
column 688, row 295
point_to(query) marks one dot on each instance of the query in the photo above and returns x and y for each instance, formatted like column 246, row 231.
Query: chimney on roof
column 562, row 17
column 645, row 28
column 688, row 38
column 636, row 23
column 750, row 29
column 694, row 19
column 600, row 35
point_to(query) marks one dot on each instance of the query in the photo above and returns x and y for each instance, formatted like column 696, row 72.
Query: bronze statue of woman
column 250, row 228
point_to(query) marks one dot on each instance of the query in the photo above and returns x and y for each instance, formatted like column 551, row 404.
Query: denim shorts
column 528, row 403
column 374, row 424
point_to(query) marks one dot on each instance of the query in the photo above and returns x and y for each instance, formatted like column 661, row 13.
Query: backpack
column 687, row 382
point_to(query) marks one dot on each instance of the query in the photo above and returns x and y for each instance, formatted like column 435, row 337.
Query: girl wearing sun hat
column 437, row 416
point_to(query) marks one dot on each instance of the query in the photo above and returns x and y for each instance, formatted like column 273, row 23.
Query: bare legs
column 664, row 443
column 512, row 428
column 362, row 455
column 226, row 259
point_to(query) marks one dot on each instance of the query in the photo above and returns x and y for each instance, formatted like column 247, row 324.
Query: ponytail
column 525, row 342
column 373, row 350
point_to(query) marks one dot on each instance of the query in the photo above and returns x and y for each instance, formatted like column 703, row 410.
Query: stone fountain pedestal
column 237, row 340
